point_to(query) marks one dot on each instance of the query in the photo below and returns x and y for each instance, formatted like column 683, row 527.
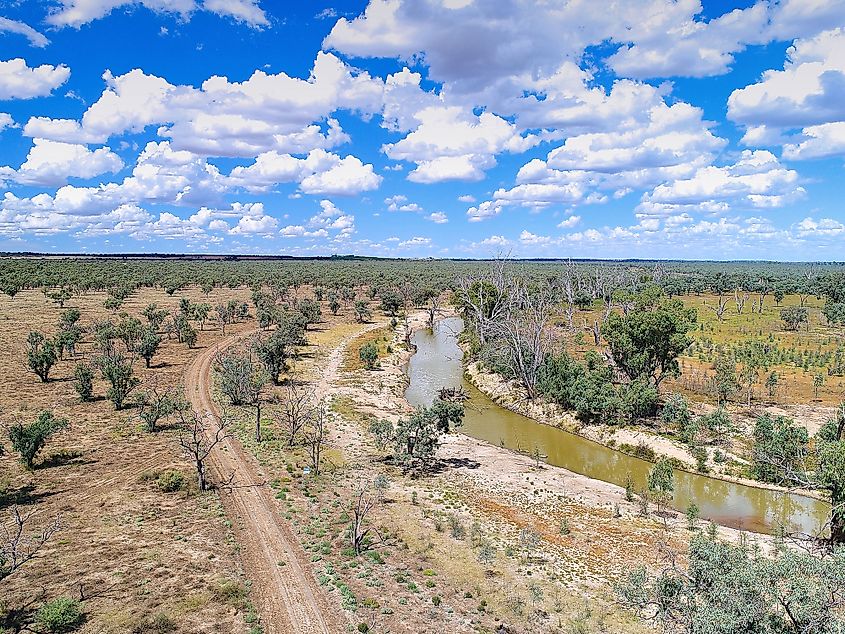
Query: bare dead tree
column 360, row 529
column 720, row 307
column 297, row 411
column 522, row 329
column 433, row 308
column 569, row 282
column 595, row 330
column 198, row 435
column 606, row 280
column 315, row 433
column 20, row 542
column 483, row 297
column 740, row 301
column 503, row 306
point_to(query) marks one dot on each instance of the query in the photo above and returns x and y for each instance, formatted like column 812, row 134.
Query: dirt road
column 284, row 590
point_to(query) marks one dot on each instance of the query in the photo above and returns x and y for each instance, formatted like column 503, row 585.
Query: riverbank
column 512, row 397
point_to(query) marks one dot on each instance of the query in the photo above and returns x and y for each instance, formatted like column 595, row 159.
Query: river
column 438, row 363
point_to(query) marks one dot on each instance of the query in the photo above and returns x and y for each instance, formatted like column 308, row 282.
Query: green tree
column 417, row 437
column 391, row 302
column 155, row 316
column 362, row 311
column 201, row 313
column 117, row 370
column 369, row 355
column 780, row 448
column 41, row 354
column 753, row 356
column 83, row 382
column 646, row 343
column 28, row 440
column 661, row 483
column 156, row 403
column 310, row 310
column 818, row 382
column 794, row 316
column 772, row 382
column 70, row 332
column 148, row 344
column 273, row 351
column 829, row 474
column 728, row 589
column 725, row 382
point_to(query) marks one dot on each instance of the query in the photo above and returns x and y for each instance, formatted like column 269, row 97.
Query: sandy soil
column 288, row 598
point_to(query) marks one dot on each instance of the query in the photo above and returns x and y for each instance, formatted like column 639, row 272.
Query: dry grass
column 382, row 337
column 128, row 549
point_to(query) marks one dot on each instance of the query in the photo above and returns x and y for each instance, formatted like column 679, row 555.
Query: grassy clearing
column 815, row 342
column 381, row 337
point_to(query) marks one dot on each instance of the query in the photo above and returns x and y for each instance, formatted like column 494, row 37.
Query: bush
column 369, row 355
column 676, row 411
column 60, row 615
column 158, row 624
column 28, row 440
column 641, row 450
column 639, row 400
column 83, row 382
column 170, row 481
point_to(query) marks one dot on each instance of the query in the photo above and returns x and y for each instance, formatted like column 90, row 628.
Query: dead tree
column 359, row 529
column 315, row 433
column 570, row 285
column 482, row 298
column 720, row 307
column 433, row 308
column 297, row 411
column 20, row 543
column 740, row 300
column 198, row 435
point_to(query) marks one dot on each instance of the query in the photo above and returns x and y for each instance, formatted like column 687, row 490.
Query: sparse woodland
column 116, row 516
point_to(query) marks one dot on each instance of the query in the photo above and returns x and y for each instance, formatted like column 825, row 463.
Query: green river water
column 438, row 363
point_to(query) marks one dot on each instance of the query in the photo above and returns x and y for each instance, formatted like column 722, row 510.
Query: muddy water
column 437, row 363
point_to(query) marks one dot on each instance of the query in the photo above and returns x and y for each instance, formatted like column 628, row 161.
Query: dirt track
column 283, row 587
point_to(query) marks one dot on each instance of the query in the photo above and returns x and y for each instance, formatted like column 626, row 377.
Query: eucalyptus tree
column 117, row 370
column 29, row 439
column 724, row 588
column 41, row 354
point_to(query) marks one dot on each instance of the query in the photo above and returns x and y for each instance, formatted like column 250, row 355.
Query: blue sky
column 458, row 128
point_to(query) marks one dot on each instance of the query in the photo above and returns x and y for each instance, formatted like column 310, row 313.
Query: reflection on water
column 437, row 363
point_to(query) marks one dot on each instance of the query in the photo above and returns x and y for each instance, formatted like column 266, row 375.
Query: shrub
column 83, row 382
column 60, row 615
column 676, row 411
column 369, row 355
column 640, row 450
column 28, row 440
column 170, row 481
column 158, row 624
column 639, row 400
